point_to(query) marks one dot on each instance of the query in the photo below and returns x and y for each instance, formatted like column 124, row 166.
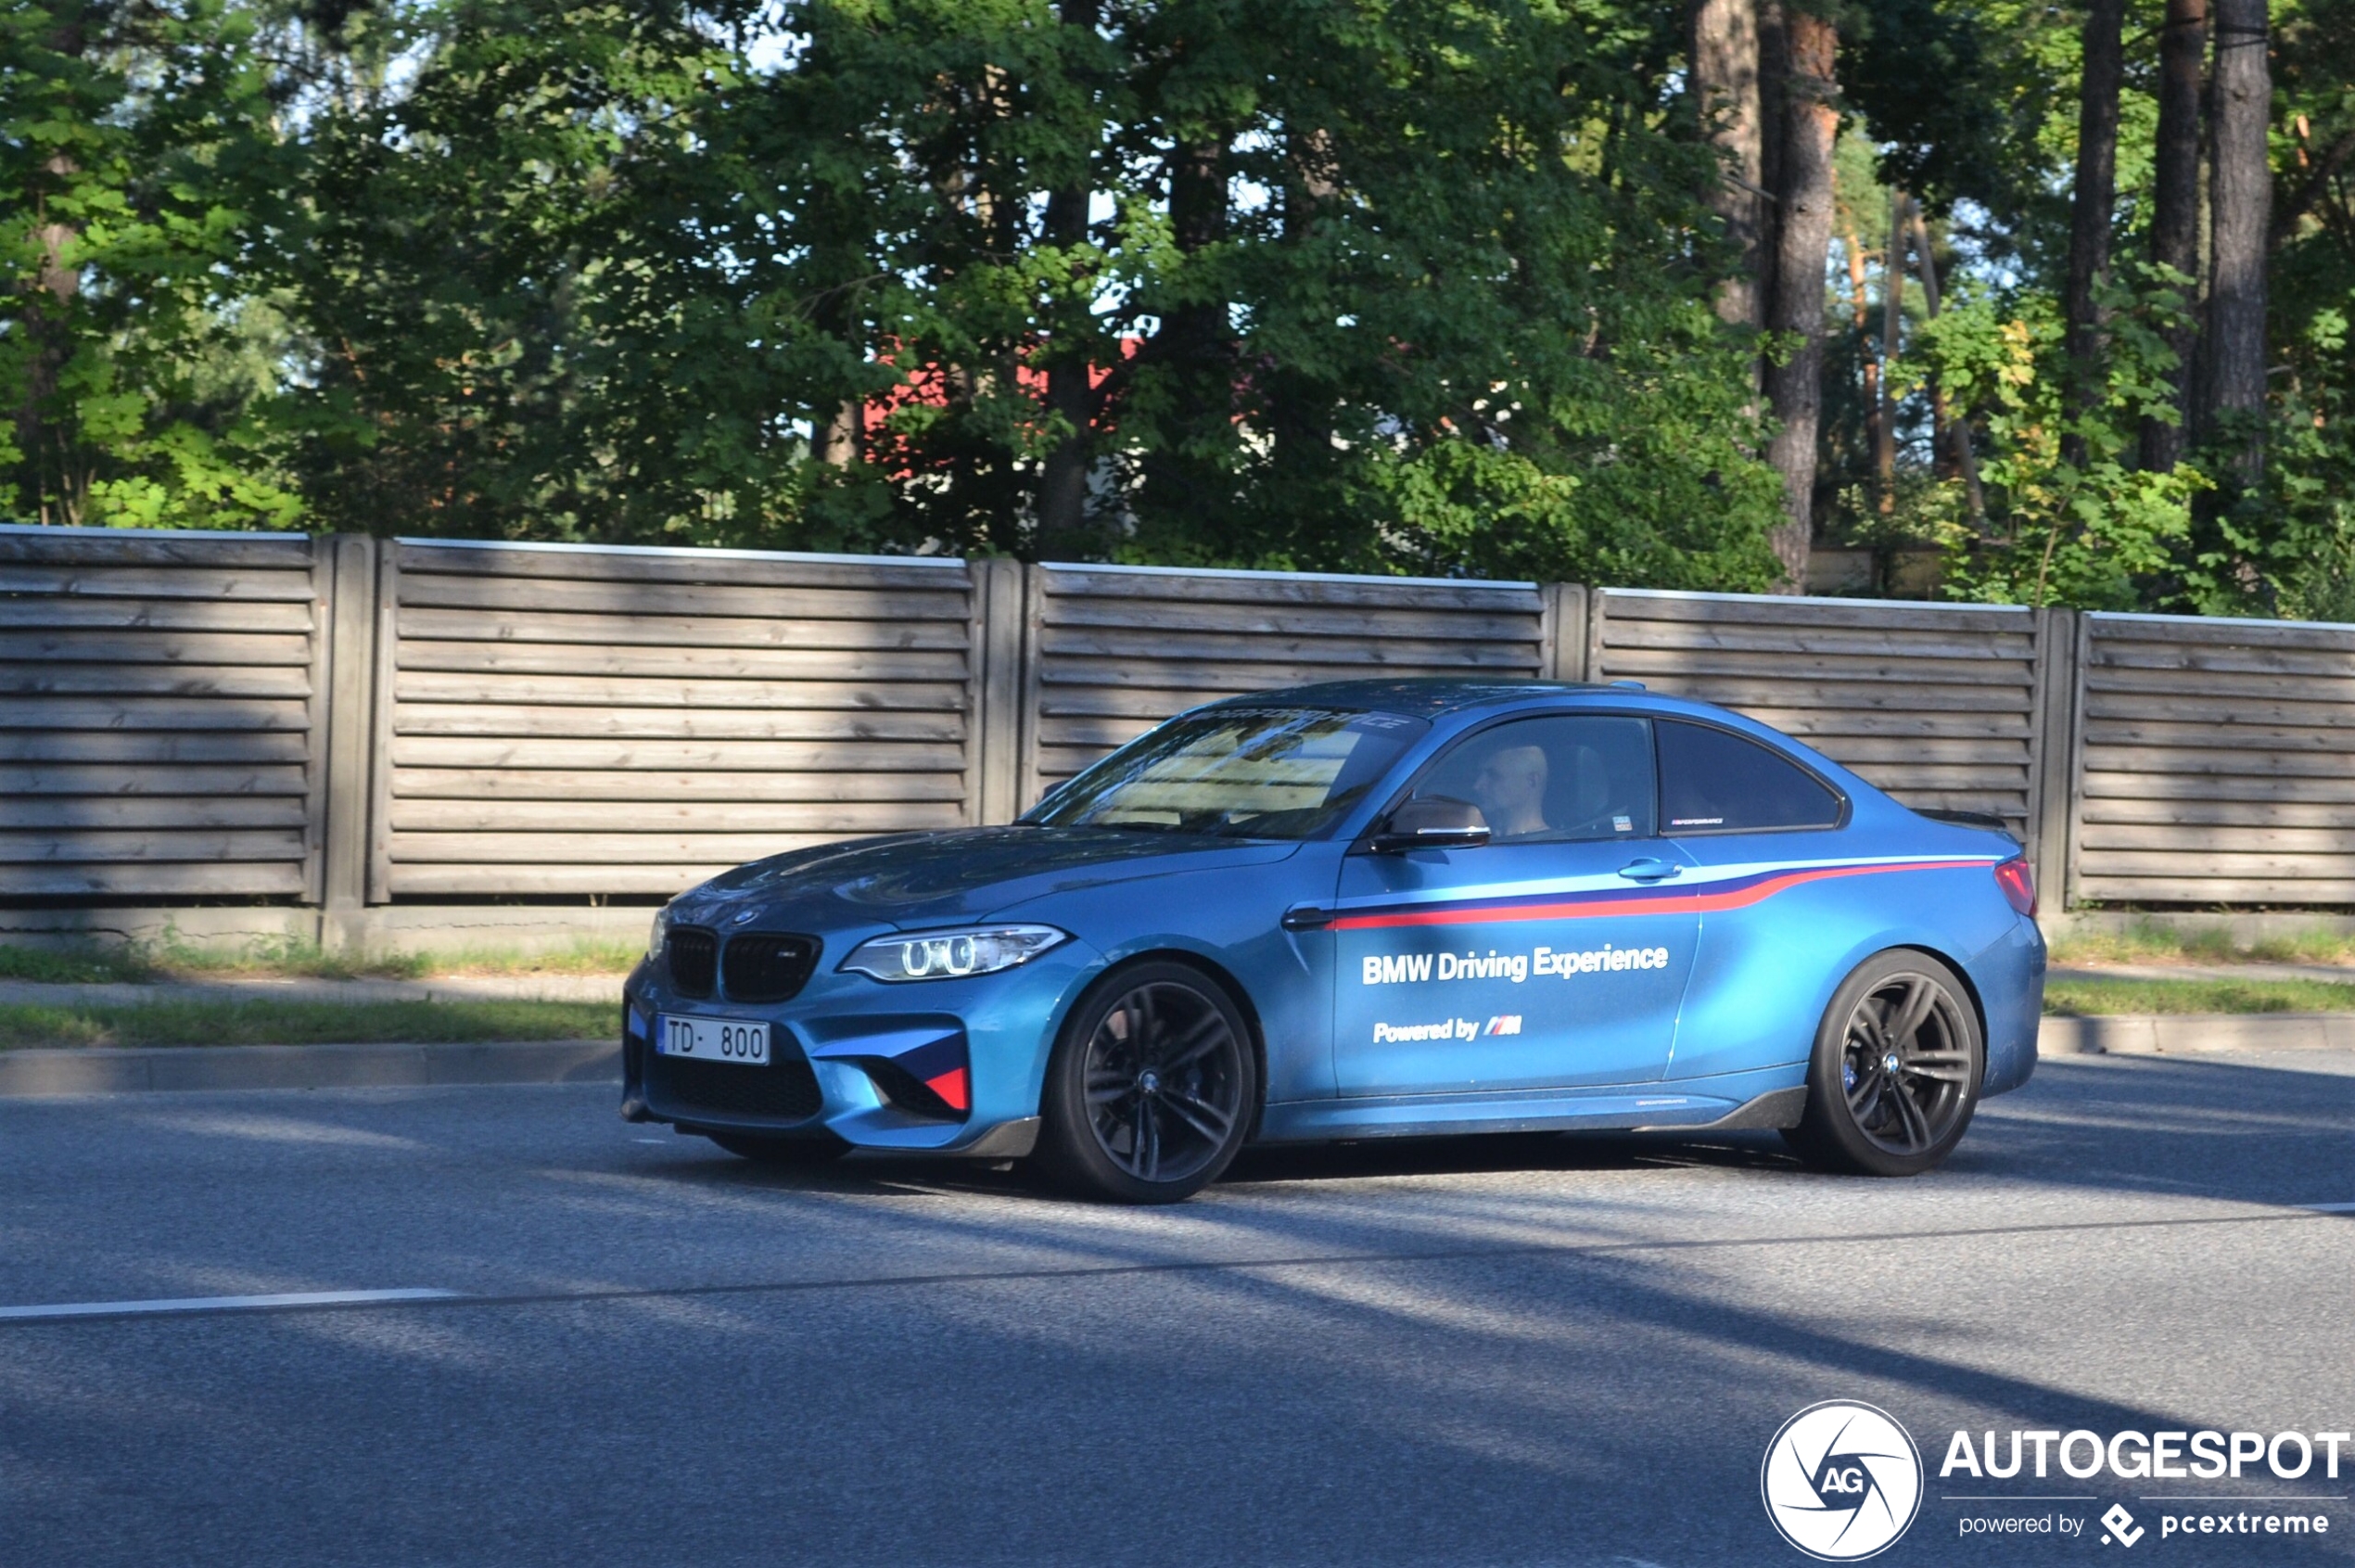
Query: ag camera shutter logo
column 1842, row 1481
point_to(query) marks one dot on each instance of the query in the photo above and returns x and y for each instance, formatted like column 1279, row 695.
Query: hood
column 941, row 878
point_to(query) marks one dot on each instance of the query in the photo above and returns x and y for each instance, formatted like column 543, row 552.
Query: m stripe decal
column 1737, row 894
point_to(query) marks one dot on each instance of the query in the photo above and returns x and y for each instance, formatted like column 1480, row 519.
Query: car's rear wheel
column 1151, row 1087
column 811, row 1150
column 1896, row 1070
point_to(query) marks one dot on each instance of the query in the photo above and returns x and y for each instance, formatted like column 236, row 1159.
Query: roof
column 1422, row 697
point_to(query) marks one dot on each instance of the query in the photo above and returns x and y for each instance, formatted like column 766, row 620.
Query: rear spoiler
column 1986, row 819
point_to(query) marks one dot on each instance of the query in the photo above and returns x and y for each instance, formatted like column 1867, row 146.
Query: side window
column 1713, row 780
column 1555, row 778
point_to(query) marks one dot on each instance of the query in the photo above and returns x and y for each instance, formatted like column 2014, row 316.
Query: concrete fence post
column 1566, row 611
column 999, row 598
column 2053, row 766
column 351, row 631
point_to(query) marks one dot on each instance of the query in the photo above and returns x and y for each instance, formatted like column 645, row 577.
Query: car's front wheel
column 1152, row 1087
column 1896, row 1069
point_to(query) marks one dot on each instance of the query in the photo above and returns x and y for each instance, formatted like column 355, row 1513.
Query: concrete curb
column 37, row 1074
column 2169, row 1034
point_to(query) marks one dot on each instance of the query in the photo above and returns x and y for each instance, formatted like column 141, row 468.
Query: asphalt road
column 1516, row 1352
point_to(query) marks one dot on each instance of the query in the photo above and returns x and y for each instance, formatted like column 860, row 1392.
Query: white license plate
column 713, row 1040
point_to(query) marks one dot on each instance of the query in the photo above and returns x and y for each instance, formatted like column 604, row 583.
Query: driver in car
column 1511, row 791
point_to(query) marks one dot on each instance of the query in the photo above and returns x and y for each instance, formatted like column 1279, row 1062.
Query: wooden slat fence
column 2216, row 761
column 567, row 720
column 1934, row 703
column 162, row 708
column 1117, row 649
column 520, row 720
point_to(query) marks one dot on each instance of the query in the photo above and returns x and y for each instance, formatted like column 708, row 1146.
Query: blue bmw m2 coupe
column 1353, row 911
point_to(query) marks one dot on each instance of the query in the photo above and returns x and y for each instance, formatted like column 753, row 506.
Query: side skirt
column 1776, row 1108
column 1770, row 1098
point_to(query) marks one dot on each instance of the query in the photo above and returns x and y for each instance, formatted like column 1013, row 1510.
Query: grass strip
column 2150, row 942
column 175, row 959
column 198, row 1024
column 2106, row 998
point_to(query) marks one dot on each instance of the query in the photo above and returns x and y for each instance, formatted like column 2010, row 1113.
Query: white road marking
column 223, row 1302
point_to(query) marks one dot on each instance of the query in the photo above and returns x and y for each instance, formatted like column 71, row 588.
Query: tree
column 2174, row 235
column 1804, row 193
column 1724, row 54
column 2094, row 196
column 2240, row 193
column 128, row 350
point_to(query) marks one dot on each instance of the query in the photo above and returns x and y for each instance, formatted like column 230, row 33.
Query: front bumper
column 944, row 1066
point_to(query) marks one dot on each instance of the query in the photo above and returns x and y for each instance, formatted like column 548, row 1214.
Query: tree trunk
column 1893, row 319
column 1773, row 69
column 1299, row 407
column 49, row 345
column 1724, row 75
column 1859, row 319
column 2091, row 208
column 1951, row 436
column 51, row 480
column 1794, row 388
column 2175, row 206
column 836, row 442
column 1193, row 346
column 1063, row 479
column 2239, row 193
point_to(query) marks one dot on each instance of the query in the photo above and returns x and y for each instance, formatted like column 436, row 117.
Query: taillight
column 2018, row 884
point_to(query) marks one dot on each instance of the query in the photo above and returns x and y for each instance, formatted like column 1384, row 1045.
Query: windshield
column 1244, row 773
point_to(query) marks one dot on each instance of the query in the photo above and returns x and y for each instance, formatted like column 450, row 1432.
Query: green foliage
column 124, row 138
column 1434, row 302
column 2070, row 520
column 1415, row 285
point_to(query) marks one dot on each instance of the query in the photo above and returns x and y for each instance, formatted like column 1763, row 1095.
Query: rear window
column 1714, row 781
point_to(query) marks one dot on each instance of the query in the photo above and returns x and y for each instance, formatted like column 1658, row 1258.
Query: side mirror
column 1431, row 822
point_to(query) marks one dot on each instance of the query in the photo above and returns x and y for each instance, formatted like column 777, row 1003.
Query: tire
column 1175, row 1085
column 806, row 1151
column 1896, row 1068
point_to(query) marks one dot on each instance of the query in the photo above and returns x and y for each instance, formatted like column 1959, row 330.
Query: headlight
column 661, row 930
column 951, row 955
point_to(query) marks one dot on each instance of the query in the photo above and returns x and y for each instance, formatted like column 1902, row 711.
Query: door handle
column 1307, row 917
column 1651, row 870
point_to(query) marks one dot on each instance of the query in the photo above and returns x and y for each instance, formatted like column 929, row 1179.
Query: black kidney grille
column 680, row 1087
column 694, row 957
column 767, row 967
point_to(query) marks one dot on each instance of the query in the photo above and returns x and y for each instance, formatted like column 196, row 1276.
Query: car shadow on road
column 2256, row 1131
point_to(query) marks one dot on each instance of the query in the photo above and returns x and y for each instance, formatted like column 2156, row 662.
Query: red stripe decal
column 1697, row 901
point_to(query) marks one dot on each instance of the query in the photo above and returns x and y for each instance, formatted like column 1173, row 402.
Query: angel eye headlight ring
column 950, row 955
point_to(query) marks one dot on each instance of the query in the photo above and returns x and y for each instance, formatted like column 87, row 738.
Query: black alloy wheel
column 1152, row 1088
column 1896, row 1070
